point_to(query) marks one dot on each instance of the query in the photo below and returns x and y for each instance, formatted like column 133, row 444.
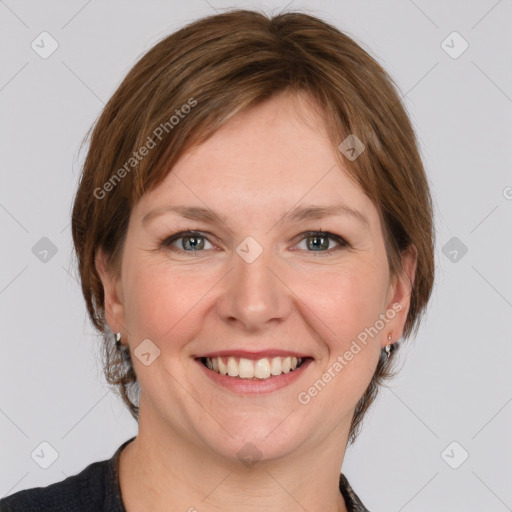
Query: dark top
column 97, row 489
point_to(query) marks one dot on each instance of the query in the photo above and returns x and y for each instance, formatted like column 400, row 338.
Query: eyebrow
column 298, row 214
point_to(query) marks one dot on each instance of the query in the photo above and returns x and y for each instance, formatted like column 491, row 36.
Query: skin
column 259, row 166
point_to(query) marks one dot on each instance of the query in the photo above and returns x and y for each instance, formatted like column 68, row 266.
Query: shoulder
column 82, row 492
column 352, row 500
column 76, row 493
column 94, row 489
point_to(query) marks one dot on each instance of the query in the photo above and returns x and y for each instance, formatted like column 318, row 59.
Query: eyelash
column 166, row 242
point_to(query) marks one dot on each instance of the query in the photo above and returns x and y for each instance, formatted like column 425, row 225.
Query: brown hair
column 191, row 83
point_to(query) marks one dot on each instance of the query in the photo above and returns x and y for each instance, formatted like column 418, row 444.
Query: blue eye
column 320, row 240
column 194, row 241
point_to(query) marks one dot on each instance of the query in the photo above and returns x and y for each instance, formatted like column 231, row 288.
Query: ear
column 113, row 293
column 399, row 295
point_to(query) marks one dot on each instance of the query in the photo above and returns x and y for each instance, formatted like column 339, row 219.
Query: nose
column 254, row 297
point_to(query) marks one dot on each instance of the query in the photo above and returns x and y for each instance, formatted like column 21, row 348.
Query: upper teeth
column 248, row 368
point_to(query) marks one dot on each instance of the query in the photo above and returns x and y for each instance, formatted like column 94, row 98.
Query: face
column 260, row 282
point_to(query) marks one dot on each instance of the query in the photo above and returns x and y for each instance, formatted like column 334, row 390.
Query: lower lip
column 256, row 386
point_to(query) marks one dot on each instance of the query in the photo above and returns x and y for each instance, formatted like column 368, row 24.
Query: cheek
column 346, row 300
column 345, row 303
column 162, row 301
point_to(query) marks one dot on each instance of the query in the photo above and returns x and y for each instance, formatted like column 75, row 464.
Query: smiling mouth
column 261, row 369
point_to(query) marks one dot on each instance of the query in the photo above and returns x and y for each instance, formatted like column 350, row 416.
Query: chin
column 261, row 440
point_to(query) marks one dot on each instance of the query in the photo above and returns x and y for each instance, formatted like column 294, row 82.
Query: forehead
column 266, row 159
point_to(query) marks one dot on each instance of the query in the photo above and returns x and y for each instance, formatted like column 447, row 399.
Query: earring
column 119, row 346
column 124, row 349
column 389, row 346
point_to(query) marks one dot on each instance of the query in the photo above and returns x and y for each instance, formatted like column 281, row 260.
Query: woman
column 254, row 224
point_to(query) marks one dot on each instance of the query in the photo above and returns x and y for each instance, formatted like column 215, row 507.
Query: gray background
column 455, row 384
